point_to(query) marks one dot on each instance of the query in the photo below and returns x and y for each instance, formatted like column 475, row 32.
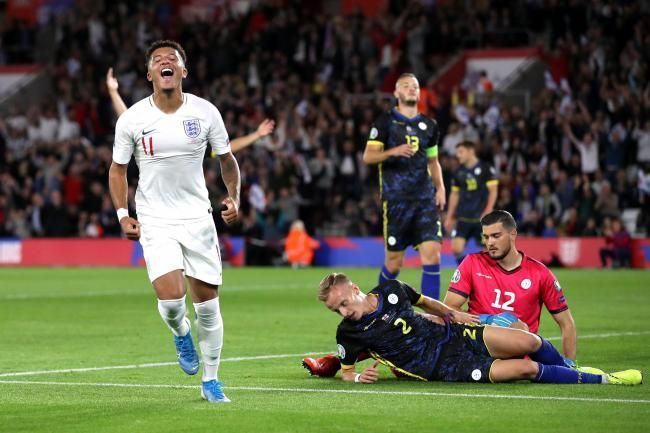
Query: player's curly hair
column 165, row 43
column 330, row 280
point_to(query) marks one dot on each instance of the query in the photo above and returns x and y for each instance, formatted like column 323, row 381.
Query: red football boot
column 327, row 366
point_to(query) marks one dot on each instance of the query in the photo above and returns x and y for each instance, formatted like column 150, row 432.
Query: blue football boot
column 187, row 357
column 212, row 392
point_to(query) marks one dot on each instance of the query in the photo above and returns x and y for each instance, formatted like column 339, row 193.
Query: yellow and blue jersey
column 405, row 178
column 471, row 184
column 394, row 333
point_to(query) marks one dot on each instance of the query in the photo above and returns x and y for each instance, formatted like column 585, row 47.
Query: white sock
column 172, row 312
column 210, row 334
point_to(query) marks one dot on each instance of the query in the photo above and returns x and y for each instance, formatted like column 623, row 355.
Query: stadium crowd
column 570, row 166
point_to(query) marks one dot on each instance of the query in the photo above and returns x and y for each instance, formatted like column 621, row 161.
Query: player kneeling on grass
column 384, row 324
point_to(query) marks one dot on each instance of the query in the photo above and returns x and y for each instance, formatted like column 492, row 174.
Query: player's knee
column 528, row 369
column 430, row 256
column 208, row 314
column 531, row 343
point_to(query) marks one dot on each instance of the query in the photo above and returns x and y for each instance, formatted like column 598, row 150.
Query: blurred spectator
column 618, row 247
column 643, row 220
column 607, row 202
column 642, row 137
column 299, row 247
column 56, row 222
column 591, row 229
column 547, row 203
column 318, row 78
column 549, row 228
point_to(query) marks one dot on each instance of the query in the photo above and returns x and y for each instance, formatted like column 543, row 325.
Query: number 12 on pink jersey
column 507, row 304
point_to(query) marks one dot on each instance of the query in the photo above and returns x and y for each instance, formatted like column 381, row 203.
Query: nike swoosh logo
column 147, row 132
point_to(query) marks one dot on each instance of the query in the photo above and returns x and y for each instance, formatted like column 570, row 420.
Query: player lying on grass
column 384, row 324
column 524, row 284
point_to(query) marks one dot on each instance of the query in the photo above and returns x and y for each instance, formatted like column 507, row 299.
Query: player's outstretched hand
column 229, row 210
column 265, row 128
column 403, row 150
column 131, row 228
column 370, row 374
column 462, row 317
column 111, row 81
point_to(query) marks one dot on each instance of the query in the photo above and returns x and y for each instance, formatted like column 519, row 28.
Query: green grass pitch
column 103, row 326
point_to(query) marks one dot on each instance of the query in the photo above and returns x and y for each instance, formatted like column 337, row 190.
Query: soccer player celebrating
column 236, row 144
column 405, row 145
column 505, row 280
column 168, row 133
column 384, row 324
column 473, row 194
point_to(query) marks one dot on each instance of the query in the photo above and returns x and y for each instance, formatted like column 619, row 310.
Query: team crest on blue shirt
column 192, row 127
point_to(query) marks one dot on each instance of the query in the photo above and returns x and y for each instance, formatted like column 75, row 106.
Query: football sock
column 547, row 354
column 431, row 281
column 210, row 334
column 172, row 312
column 557, row 374
column 385, row 275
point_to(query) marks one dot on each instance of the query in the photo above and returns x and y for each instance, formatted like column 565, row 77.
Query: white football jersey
column 169, row 150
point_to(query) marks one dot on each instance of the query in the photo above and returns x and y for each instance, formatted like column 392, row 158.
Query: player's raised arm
column 264, row 129
column 112, row 85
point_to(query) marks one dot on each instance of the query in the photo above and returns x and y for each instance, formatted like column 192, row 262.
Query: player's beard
column 501, row 256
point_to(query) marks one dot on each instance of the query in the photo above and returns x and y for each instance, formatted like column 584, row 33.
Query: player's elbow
column 117, row 170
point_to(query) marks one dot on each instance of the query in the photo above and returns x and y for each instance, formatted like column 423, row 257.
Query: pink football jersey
column 493, row 290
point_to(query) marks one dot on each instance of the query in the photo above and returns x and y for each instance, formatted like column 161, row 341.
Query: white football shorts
column 191, row 246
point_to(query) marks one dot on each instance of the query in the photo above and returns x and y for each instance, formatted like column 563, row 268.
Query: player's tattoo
column 230, row 175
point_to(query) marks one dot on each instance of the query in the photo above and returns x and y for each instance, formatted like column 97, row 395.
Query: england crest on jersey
column 192, row 127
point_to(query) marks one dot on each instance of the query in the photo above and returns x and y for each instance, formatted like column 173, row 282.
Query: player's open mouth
column 167, row 72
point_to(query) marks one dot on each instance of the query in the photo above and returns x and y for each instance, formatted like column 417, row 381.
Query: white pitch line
column 139, row 292
column 605, row 335
column 152, row 364
column 253, row 358
column 334, row 391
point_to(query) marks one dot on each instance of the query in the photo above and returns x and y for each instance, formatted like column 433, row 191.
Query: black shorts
column 409, row 223
column 468, row 230
column 464, row 358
